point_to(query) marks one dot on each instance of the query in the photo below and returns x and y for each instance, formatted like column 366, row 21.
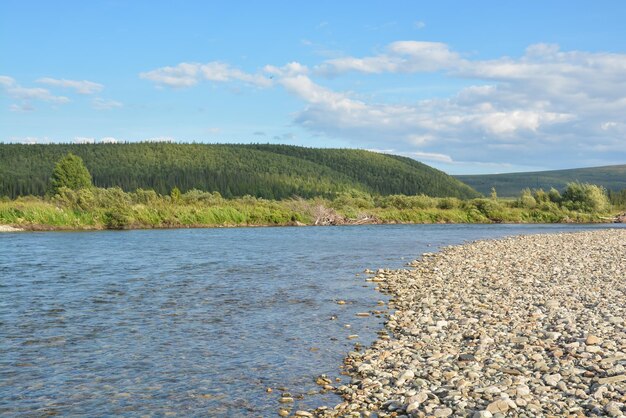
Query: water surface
column 194, row 322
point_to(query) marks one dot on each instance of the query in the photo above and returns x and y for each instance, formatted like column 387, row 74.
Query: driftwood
column 327, row 216
column 618, row 219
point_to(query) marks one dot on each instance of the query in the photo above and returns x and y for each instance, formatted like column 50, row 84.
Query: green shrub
column 585, row 197
column 448, row 203
column 554, row 195
column 145, row 197
column 526, row 200
column 116, row 218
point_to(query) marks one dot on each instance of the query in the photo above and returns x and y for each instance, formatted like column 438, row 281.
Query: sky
column 466, row 87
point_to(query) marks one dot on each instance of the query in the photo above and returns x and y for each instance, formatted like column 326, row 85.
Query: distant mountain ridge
column 268, row 171
column 612, row 177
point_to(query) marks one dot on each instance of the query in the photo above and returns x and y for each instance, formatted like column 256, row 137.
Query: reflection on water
column 193, row 322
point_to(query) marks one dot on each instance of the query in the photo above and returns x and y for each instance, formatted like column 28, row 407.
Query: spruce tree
column 70, row 172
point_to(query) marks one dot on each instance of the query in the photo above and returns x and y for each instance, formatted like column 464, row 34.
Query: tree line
column 233, row 170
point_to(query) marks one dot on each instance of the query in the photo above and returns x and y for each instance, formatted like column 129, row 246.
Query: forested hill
column 268, row 171
column 612, row 177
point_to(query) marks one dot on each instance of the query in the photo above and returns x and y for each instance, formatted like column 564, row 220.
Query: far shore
column 67, row 228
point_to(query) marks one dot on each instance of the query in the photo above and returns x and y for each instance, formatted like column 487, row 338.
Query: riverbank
column 119, row 210
column 523, row 326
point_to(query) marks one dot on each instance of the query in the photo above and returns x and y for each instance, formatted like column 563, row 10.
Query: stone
column 442, row 412
column 407, row 375
column 499, row 406
column 522, row 390
column 419, row 398
column 592, row 340
column 612, row 379
column 552, row 379
column 524, row 326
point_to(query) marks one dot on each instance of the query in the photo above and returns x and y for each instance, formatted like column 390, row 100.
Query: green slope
column 269, row 171
column 611, row 177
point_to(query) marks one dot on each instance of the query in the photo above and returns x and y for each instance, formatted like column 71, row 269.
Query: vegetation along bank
column 371, row 193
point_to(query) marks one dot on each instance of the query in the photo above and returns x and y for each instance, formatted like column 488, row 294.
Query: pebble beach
column 524, row 326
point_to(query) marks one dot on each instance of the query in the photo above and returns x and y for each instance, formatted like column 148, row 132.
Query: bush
column 526, row 200
column 554, row 195
column 353, row 199
column 408, row 202
column 198, row 196
column 585, row 197
column 111, row 197
column 117, row 217
column 541, row 196
column 491, row 209
column 144, row 196
column 448, row 203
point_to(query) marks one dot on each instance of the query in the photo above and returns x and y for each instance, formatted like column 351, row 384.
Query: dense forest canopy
column 612, row 178
column 267, row 171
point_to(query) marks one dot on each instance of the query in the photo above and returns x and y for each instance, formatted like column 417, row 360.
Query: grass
column 115, row 209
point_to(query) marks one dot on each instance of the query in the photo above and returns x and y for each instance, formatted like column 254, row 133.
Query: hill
column 268, row 171
column 611, row 177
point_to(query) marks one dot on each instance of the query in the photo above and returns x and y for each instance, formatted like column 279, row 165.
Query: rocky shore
column 525, row 326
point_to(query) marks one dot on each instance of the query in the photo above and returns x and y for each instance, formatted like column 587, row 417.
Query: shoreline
column 87, row 228
column 519, row 326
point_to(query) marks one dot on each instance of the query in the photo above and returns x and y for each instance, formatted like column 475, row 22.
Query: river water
column 195, row 322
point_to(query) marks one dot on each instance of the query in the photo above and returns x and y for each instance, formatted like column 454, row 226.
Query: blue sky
column 467, row 87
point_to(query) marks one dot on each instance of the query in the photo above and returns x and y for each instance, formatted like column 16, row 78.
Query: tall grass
column 115, row 209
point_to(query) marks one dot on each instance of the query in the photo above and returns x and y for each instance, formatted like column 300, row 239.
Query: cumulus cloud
column 545, row 106
column 189, row 74
column 80, row 86
column 27, row 94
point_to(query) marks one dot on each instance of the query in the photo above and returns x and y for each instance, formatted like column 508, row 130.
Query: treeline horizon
column 234, row 170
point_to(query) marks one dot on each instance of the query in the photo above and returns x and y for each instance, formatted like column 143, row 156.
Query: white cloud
column 431, row 156
column 419, row 24
column 29, row 140
column 6, row 81
column 400, row 57
column 26, row 94
column 189, row 74
column 542, row 107
column 80, row 86
column 104, row 104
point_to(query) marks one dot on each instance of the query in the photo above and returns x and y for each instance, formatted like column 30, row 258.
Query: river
column 194, row 322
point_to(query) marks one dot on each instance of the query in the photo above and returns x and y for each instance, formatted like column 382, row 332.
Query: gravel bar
column 525, row 326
